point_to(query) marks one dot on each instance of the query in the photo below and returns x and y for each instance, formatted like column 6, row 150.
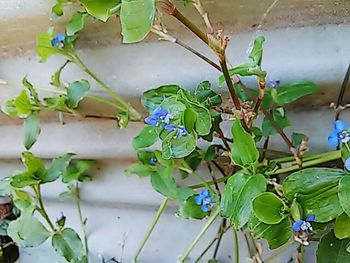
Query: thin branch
column 214, row 179
column 342, row 92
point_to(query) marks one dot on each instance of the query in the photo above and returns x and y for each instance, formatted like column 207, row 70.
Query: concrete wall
column 306, row 40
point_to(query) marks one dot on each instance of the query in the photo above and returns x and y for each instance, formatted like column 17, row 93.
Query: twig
column 214, row 179
column 342, row 92
column 264, row 150
column 221, row 233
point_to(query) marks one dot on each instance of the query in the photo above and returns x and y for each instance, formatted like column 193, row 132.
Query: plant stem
column 330, row 157
column 306, row 157
column 200, row 235
column 124, row 105
column 150, row 230
column 236, row 249
column 41, row 208
column 220, row 234
column 342, row 92
column 82, row 219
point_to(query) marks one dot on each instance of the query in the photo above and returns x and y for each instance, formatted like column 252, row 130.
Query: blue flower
column 347, row 164
column 153, row 161
column 339, row 134
column 158, row 115
column 304, row 225
column 58, row 39
column 204, row 200
column 180, row 130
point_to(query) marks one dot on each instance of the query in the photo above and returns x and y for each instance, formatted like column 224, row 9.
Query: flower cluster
column 302, row 229
column 161, row 117
column 340, row 134
column 58, row 40
column 204, row 200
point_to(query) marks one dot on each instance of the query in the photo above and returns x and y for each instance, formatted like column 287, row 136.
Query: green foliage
column 316, row 190
column 332, row 250
column 101, row 9
column 276, row 234
column 206, row 96
column 76, row 91
column 27, row 231
column 269, row 208
column 291, row 92
column 244, row 151
column 147, row 137
column 190, row 210
column 344, row 193
column 136, row 17
column 32, row 130
column 236, row 202
column 268, row 128
column 76, row 23
column 69, row 245
column 341, row 226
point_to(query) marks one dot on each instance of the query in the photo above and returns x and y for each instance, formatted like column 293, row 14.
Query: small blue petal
column 57, row 39
column 297, row 225
column 340, row 126
column 198, row 200
column 310, row 218
column 347, row 164
column 205, row 193
column 153, row 161
column 204, row 208
column 159, row 112
column 170, row 127
column 333, row 139
column 150, row 120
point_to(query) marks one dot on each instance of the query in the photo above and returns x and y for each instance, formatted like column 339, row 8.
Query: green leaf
column 68, row 244
column 76, row 23
column 332, row 250
column 244, row 151
column 291, row 92
column 145, row 138
column 5, row 187
column 174, row 147
column 297, row 139
column 31, row 90
column 256, row 53
column 206, row 96
column 344, row 193
column 267, row 127
column 23, row 179
column 9, row 108
column 212, row 152
column 310, row 180
column 341, row 226
column 76, row 91
column 136, row 17
column 189, row 209
column 276, row 235
column 101, row 9
column 23, row 201
column 57, row 168
column 122, row 119
column 164, row 183
column 203, row 119
column 141, row 170
column 76, row 171
column 56, row 103
column 152, row 98
column 33, row 164
column 27, row 231
column 236, row 202
column 244, row 70
column 269, row 208
column 190, row 118
column 23, row 106
column 296, row 210
column 32, row 130
column 316, row 190
column 44, row 47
